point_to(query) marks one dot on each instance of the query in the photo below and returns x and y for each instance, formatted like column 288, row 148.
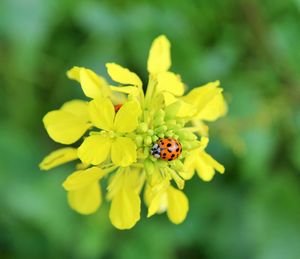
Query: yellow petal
column 200, row 97
column 147, row 194
column 175, row 176
column 185, row 110
column 77, row 107
column 181, row 109
column 125, row 209
column 190, row 164
column 93, row 85
column 202, row 127
column 123, row 151
column 189, row 168
column 127, row 117
column 169, row 98
column 206, row 166
column 65, row 127
column 169, row 82
column 203, row 142
column 158, row 203
column 115, row 183
column 159, row 59
column 126, row 90
column 204, row 170
column 58, row 157
column 212, row 162
column 102, row 113
column 178, row 205
column 156, row 197
column 123, row 75
column 82, row 178
column 94, row 149
column 215, row 109
column 87, row 199
column 74, row 73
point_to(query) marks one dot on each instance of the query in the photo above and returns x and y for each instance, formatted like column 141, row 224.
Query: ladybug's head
column 155, row 151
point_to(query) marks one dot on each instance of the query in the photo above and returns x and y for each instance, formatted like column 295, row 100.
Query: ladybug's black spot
column 180, row 149
column 164, row 154
column 169, row 144
column 173, row 155
column 162, row 143
column 170, row 159
column 177, row 149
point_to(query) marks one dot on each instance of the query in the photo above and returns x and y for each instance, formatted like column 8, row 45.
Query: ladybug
column 117, row 107
column 167, row 149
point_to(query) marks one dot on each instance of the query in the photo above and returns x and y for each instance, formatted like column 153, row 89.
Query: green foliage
column 252, row 211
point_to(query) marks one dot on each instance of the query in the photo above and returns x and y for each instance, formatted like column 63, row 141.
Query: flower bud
column 162, row 128
column 154, row 138
column 143, row 127
column 139, row 140
column 147, row 140
column 150, row 132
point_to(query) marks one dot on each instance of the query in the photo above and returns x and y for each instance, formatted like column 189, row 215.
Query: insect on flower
column 141, row 142
column 117, row 107
column 167, row 149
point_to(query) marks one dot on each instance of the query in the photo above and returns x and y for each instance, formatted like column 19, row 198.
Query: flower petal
column 82, row 178
column 158, row 204
column 126, row 90
column 200, row 97
column 125, row 209
column 74, row 73
column 159, row 59
column 204, row 170
column 189, row 166
column 94, row 149
column 122, row 75
column 102, row 113
column 178, row 205
column 212, row 162
column 123, row 151
column 86, row 200
column 180, row 109
column 93, row 86
column 169, row 82
column 58, row 157
column 65, row 127
column 78, row 108
column 206, row 166
column 127, row 117
column 126, row 203
column 215, row 109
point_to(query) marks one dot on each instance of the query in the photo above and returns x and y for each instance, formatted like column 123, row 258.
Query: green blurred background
column 253, row 47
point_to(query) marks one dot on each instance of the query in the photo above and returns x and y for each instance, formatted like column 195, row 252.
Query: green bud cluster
column 164, row 124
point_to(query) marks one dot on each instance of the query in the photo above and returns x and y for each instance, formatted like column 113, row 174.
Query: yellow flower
column 59, row 157
column 93, row 86
column 122, row 133
column 124, row 192
column 69, row 123
column 96, row 148
column 201, row 162
column 164, row 197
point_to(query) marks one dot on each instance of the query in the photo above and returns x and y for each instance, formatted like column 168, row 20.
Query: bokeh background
column 253, row 47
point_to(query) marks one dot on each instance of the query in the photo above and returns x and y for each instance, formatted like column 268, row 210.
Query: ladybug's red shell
column 167, row 149
column 118, row 107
